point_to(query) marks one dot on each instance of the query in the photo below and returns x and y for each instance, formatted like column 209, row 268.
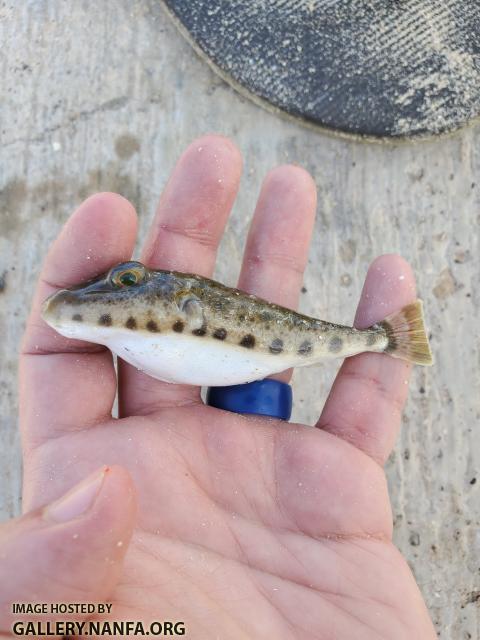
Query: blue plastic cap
column 262, row 397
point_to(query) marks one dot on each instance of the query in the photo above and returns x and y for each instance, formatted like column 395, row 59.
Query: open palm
column 239, row 526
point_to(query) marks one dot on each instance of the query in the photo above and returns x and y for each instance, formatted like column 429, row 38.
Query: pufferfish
column 186, row 329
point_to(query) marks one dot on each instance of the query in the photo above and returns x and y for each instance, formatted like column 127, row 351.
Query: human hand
column 245, row 527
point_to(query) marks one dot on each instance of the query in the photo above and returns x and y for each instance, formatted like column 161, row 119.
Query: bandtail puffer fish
column 188, row 329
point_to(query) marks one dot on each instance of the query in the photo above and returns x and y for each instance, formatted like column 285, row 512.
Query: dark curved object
column 376, row 68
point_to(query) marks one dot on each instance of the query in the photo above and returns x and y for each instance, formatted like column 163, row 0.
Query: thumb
column 69, row 551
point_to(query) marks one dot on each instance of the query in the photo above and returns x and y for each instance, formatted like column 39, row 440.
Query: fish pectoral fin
column 191, row 306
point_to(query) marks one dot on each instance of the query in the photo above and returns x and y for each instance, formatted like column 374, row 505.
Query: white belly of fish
column 194, row 360
column 184, row 359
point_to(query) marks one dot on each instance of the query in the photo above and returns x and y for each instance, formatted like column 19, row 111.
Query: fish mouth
column 65, row 299
column 68, row 313
column 75, row 295
column 52, row 307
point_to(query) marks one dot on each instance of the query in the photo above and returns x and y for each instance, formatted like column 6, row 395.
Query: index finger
column 69, row 384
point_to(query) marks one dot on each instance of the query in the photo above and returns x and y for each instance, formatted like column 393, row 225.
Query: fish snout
column 60, row 306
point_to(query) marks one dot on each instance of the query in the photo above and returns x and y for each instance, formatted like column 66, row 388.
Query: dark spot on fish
column 178, row 326
column 276, row 346
column 305, row 348
column 392, row 341
column 248, row 341
column 77, row 317
column 304, row 289
column 220, row 334
column 371, row 339
column 335, row 344
column 105, row 320
column 152, row 326
column 199, row 332
column 131, row 323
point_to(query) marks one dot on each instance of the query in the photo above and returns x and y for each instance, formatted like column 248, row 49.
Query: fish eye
column 128, row 277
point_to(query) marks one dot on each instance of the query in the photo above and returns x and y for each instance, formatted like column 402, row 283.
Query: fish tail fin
column 407, row 337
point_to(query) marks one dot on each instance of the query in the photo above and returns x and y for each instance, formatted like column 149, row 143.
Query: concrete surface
column 104, row 96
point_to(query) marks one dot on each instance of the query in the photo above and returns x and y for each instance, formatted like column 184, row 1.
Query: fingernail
column 78, row 500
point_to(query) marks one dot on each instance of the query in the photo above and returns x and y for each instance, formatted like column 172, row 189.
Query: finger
column 66, row 384
column 277, row 245
column 368, row 395
column 70, row 551
column 185, row 234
